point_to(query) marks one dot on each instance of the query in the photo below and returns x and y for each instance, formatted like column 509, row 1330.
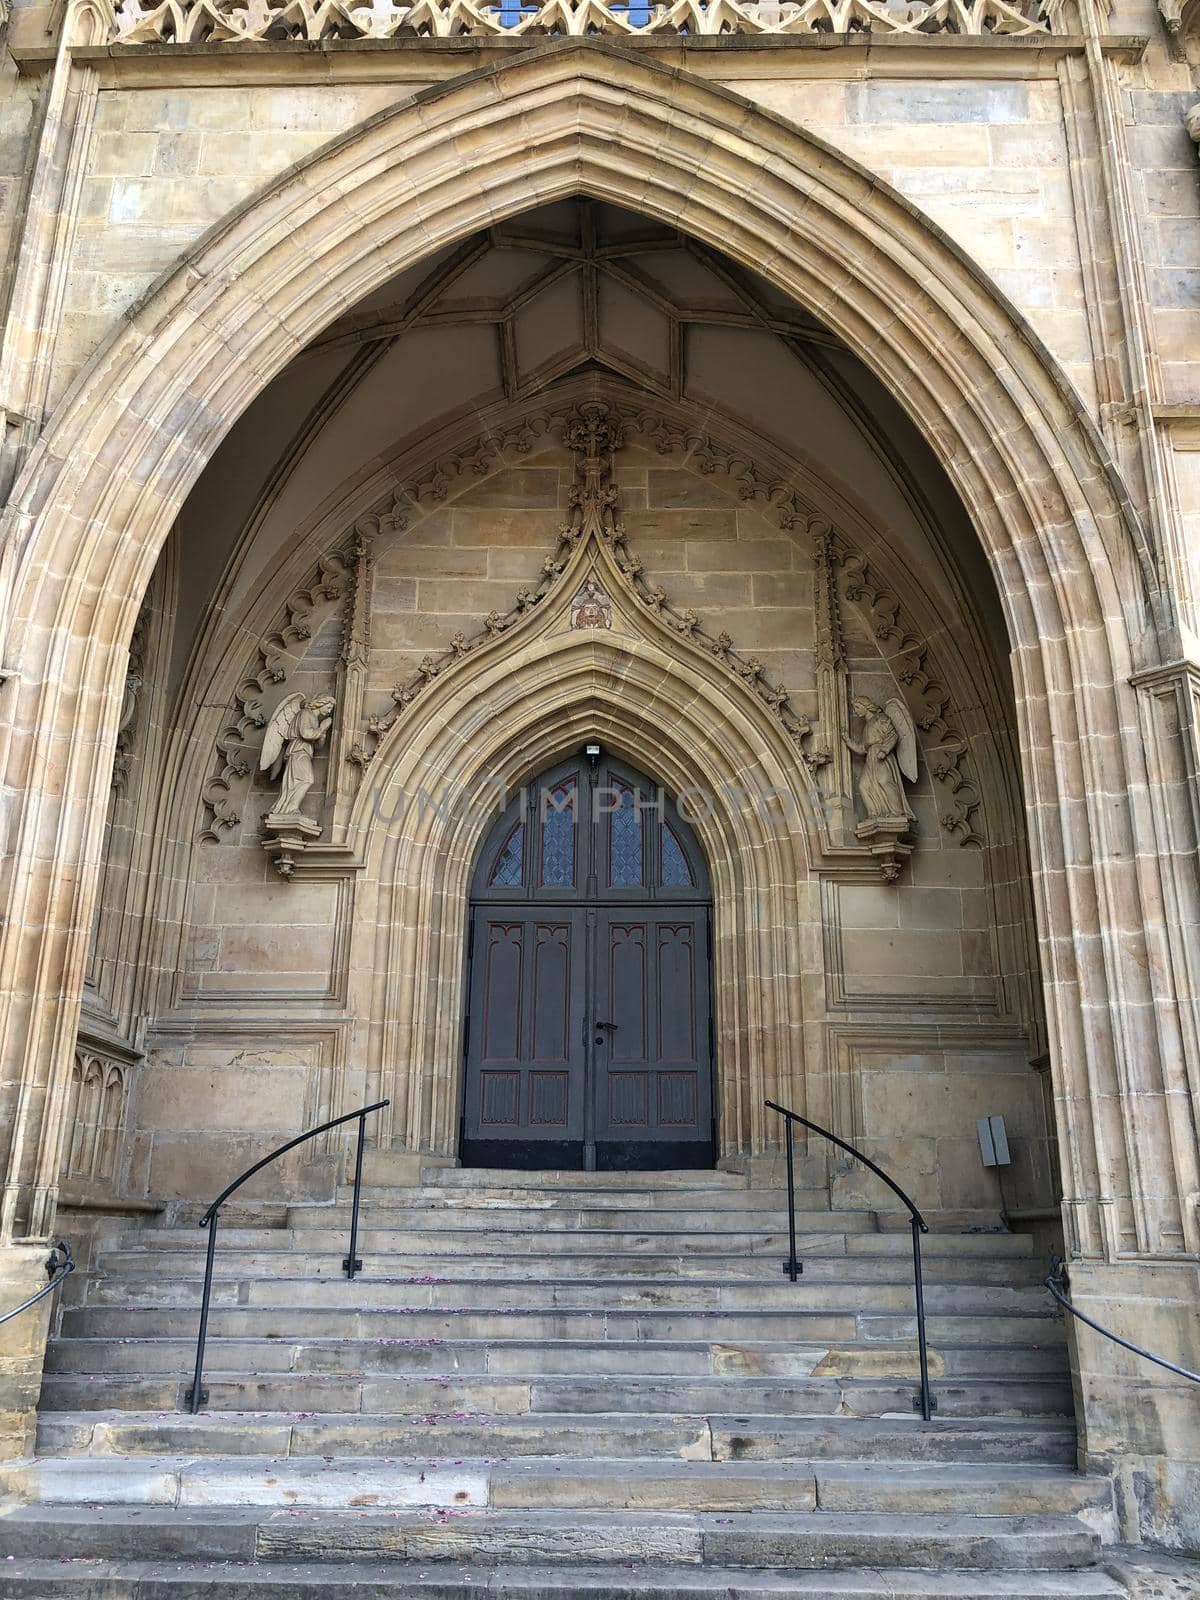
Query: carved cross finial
column 594, row 435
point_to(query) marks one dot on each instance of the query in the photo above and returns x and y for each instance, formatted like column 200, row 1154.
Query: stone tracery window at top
column 676, row 873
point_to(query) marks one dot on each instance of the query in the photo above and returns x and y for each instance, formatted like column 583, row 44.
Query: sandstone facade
column 895, row 335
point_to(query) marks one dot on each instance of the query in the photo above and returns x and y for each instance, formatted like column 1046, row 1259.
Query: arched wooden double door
column 589, row 1040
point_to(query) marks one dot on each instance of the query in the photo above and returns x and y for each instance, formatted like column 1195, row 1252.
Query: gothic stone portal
column 589, row 1029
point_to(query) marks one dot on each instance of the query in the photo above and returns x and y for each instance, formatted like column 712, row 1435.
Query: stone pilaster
column 1137, row 1420
column 22, row 1346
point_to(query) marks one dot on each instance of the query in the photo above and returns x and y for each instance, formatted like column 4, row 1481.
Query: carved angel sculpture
column 296, row 728
column 889, row 750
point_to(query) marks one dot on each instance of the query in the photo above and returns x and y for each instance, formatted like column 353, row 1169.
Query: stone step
column 676, row 1358
column 806, row 1540
column 382, row 1291
column 565, row 1322
column 434, row 1197
column 516, row 1242
column 574, row 1217
column 326, row 1393
column 587, row 1436
column 132, row 1265
column 742, row 1486
column 520, row 1243
column 32, row 1578
column 474, row 1179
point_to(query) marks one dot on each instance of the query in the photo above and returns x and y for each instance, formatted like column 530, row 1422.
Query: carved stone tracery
column 594, row 431
column 94, row 1119
column 226, row 21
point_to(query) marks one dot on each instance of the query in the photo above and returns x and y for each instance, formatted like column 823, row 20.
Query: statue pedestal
column 285, row 835
column 888, row 841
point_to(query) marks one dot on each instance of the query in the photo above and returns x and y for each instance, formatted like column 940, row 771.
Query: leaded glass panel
column 558, row 837
column 506, row 874
column 624, row 839
column 676, row 874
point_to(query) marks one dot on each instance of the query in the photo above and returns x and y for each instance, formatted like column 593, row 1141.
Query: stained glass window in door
column 624, row 839
column 676, row 874
column 506, row 874
column 558, row 837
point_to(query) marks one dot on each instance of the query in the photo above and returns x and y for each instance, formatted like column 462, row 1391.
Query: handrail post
column 791, row 1266
column 925, row 1400
column 197, row 1395
column 352, row 1263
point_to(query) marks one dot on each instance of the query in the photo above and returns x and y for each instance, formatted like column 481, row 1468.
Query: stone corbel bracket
column 889, row 843
column 285, row 838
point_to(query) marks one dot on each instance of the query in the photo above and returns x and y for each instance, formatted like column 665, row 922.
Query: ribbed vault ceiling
column 505, row 315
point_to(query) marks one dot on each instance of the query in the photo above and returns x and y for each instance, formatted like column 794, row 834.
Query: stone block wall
column 919, row 1017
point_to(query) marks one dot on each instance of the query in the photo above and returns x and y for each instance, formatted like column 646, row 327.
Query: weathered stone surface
column 903, row 336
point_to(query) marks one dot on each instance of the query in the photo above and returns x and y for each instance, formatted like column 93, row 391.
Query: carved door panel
column 652, row 1068
column 525, row 1084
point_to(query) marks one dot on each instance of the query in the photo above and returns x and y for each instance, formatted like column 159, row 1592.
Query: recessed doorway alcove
column 770, row 541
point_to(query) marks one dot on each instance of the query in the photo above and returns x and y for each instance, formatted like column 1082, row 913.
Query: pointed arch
column 1078, row 581
column 507, row 713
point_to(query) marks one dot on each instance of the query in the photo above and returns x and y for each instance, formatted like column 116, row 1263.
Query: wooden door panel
column 678, row 1099
column 499, row 1099
column 675, row 991
column 502, row 984
column 628, row 988
column 589, row 1035
column 551, row 1008
column 524, row 1101
column 653, row 1073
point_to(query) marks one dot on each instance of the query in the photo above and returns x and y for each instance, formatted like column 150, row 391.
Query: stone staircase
column 552, row 1385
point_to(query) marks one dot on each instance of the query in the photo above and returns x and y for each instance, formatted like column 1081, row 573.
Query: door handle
column 608, row 1027
column 599, row 1024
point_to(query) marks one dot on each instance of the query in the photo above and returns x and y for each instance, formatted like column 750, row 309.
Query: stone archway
column 1076, row 577
column 507, row 713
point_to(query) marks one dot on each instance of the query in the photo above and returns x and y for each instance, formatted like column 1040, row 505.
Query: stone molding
column 135, row 679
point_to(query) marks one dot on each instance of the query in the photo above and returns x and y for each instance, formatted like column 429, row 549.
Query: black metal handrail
column 57, row 1268
column 923, row 1401
column 197, row 1395
column 1058, row 1283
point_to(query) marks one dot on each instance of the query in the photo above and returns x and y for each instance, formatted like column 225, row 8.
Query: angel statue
column 889, row 750
column 296, row 728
